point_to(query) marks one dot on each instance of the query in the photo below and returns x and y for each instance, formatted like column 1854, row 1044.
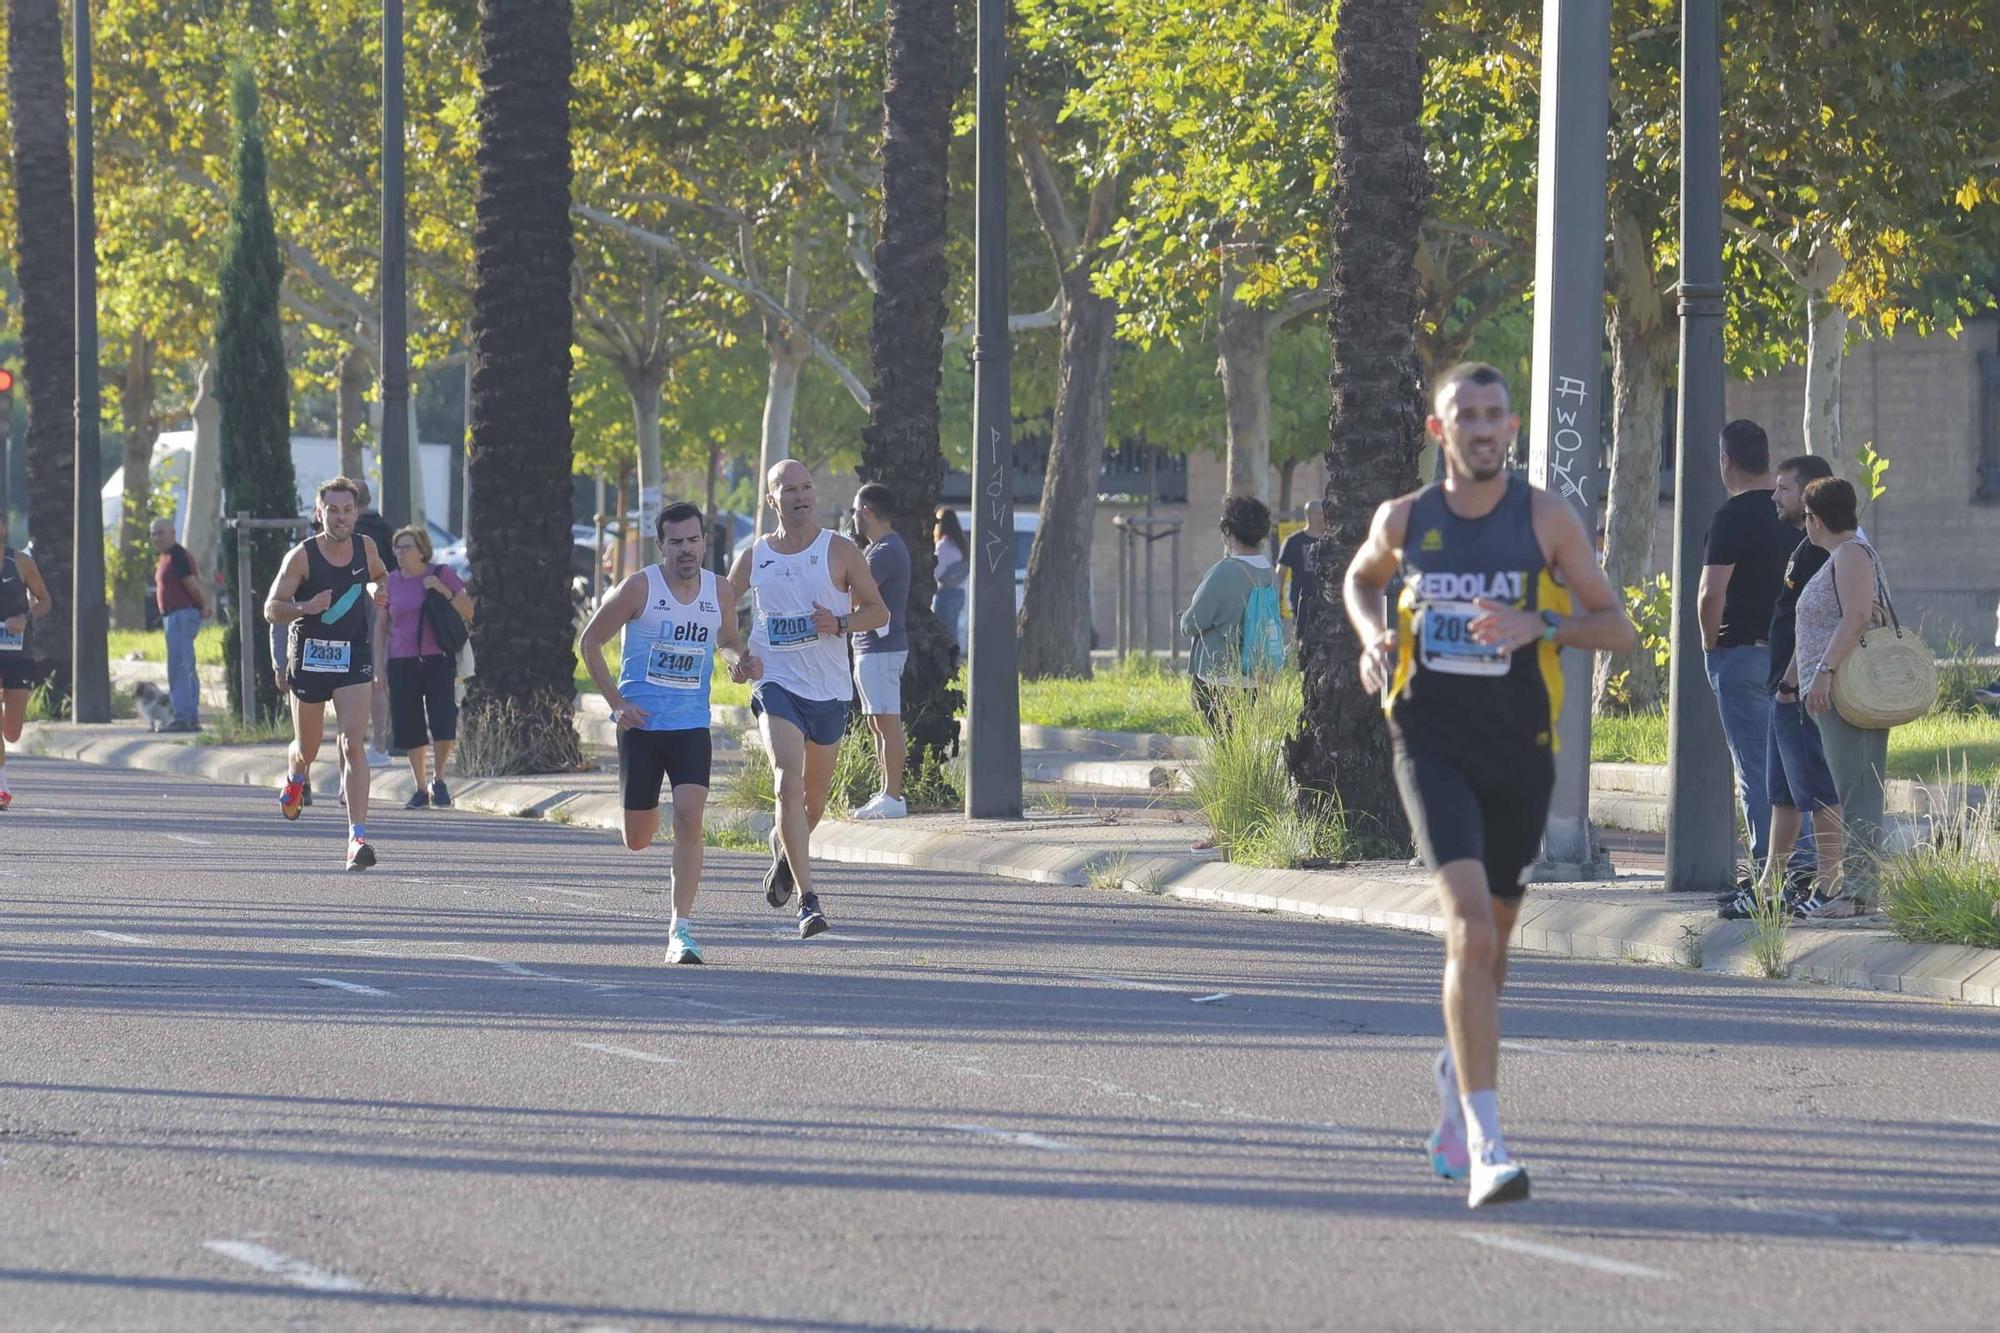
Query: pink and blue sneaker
column 1450, row 1158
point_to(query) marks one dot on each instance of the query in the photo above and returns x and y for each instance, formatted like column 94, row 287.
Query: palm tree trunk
column 900, row 445
column 1377, row 201
column 45, row 268
column 519, row 706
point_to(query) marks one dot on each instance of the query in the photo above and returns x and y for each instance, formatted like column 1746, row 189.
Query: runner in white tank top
column 813, row 590
column 787, row 588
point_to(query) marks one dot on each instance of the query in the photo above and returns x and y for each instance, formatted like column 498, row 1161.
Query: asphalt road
column 241, row 1089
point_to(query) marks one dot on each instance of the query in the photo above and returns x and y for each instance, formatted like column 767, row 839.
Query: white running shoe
column 884, row 806
column 1495, row 1179
column 376, row 758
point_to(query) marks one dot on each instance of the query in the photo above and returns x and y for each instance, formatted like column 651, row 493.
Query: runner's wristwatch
column 841, row 622
column 1551, row 622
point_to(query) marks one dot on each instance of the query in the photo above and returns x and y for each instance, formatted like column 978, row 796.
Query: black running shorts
column 1495, row 817
column 649, row 759
column 17, row 672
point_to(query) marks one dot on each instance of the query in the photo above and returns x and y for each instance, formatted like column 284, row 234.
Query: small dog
column 154, row 706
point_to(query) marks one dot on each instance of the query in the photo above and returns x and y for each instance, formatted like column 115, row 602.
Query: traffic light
column 6, row 380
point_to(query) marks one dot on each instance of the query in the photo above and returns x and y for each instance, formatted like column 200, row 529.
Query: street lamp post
column 1700, row 821
column 993, row 700
column 90, row 683
column 1567, row 452
column 395, row 456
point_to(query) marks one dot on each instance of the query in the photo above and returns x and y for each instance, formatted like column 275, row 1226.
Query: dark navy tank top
column 13, row 602
column 1450, row 692
column 336, row 640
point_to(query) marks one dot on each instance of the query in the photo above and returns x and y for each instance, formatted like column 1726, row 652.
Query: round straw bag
column 1891, row 676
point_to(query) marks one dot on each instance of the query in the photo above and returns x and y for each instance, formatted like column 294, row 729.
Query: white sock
column 1482, row 1121
column 1451, row 1116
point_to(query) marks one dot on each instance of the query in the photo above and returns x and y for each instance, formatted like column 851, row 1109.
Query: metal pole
column 90, row 686
column 395, row 495
column 247, row 620
column 993, row 698
column 1174, row 639
column 1566, row 454
column 1701, row 819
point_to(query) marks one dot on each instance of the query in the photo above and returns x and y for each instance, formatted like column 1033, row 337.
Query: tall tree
column 900, row 446
column 521, row 434
column 45, row 268
column 1379, row 192
column 253, row 387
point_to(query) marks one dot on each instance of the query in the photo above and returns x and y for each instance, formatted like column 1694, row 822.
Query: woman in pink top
column 421, row 677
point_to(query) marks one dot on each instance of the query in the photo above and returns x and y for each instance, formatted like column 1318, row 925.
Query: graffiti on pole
column 1566, row 459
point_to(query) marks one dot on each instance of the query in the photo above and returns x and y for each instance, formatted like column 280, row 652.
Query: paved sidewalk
column 1147, row 851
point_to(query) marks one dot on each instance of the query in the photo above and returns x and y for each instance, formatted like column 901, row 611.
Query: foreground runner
column 813, row 589
column 320, row 593
column 23, row 600
column 1490, row 565
column 673, row 622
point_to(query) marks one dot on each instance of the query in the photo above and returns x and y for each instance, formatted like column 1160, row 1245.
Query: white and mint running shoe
column 1495, row 1179
column 681, row 947
column 1449, row 1158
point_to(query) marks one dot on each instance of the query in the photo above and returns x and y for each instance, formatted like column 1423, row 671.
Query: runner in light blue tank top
column 673, row 620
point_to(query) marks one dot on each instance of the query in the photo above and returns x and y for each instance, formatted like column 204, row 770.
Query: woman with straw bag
column 1862, row 673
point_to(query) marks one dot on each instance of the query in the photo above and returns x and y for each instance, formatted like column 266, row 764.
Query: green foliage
column 1256, row 813
column 150, row 645
column 1872, row 471
column 1948, row 890
column 1916, row 750
column 856, row 775
column 1770, row 930
column 1960, row 673
column 930, row 784
column 1136, row 695
column 253, row 386
column 1651, row 605
column 732, row 835
column 750, row 785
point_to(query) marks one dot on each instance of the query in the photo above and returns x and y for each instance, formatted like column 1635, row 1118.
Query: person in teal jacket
column 1213, row 621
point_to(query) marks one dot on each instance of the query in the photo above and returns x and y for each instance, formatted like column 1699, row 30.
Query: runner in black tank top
column 1469, row 671
column 323, row 592
column 23, row 600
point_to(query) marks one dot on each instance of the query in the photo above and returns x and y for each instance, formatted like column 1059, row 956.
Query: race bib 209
column 1446, row 642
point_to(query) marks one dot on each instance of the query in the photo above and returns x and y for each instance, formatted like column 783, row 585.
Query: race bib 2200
column 1444, row 632
column 332, row 656
column 671, row 668
column 790, row 633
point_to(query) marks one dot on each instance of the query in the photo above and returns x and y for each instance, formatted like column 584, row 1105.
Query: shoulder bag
column 1891, row 676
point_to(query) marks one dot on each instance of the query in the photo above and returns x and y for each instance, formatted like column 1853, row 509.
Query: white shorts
column 879, row 677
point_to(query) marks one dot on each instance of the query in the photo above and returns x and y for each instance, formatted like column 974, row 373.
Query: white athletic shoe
column 884, row 806
column 377, row 759
column 1495, row 1179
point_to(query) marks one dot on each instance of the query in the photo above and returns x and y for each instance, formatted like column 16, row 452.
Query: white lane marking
column 1575, row 1258
column 577, row 893
column 354, row 987
column 627, row 1052
column 192, row 842
column 1528, row 1047
column 1210, row 999
column 1124, row 983
column 295, row 1271
column 1020, row 1138
column 114, row 935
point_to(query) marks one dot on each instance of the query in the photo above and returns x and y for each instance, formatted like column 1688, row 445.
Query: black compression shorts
column 648, row 759
column 1494, row 817
column 18, row 672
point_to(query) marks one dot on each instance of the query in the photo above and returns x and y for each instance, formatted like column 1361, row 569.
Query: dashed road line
column 295, row 1271
column 122, row 939
column 627, row 1053
column 1020, row 1138
column 1574, row 1258
column 353, row 987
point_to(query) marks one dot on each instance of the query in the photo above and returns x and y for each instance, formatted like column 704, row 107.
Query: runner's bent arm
column 868, row 611
column 729, row 641
column 1366, row 583
column 279, row 608
column 1600, row 623
column 746, row 667
column 38, row 592
column 378, row 573
column 611, row 616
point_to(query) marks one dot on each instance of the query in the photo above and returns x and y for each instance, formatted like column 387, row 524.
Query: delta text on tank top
column 1450, row 692
column 13, row 602
column 335, row 641
column 668, row 655
column 795, row 655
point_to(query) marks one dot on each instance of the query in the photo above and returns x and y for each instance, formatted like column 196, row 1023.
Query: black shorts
column 423, row 700
column 1460, row 813
column 18, row 672
column 317, row 687
column 647, row 759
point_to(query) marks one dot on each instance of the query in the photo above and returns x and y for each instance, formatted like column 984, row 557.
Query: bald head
column 788, row 488
column 162, row 533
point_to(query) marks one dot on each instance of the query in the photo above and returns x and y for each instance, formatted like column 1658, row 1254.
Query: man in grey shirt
column 880, row 654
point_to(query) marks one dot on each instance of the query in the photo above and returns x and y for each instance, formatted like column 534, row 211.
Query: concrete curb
column 1572, row 926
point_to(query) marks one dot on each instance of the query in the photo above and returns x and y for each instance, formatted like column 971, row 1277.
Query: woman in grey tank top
column 1835, row 607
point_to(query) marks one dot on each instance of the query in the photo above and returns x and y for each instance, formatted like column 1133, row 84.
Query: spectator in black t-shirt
column 1302, row 590
column 373, row 526
column 1743, row 568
